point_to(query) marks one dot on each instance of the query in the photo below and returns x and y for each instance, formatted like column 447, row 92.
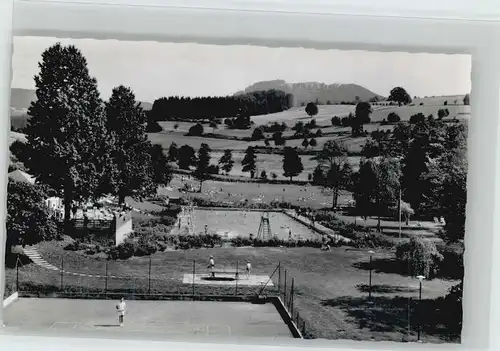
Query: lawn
column 331, row 292
column 405, row 112
column 273, row 163
column 166, row 138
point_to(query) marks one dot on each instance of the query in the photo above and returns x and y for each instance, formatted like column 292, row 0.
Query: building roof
column 21, row 176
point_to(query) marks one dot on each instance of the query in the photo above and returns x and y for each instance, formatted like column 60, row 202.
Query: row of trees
column 82, row 147
column 425, row 162
column 248, row 104
column 187, row 158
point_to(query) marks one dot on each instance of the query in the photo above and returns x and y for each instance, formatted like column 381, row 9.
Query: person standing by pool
column 248, row 269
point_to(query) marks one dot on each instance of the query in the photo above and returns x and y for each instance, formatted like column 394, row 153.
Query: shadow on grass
column 12, row 259
column 398, row 314
column 384, row 289
column 383, row 265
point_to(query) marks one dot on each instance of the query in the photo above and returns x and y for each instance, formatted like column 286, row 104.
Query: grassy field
column 273, row 163
column 331, row 292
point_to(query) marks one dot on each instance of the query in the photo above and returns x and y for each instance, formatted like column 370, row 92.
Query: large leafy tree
column 332, row 159
column 312, row 109
column 292, row 164
column 226, row 161
column 162, row 171
column 399, row 95
column 132, row 173
column 249, row 161
column 467, row 99
column 186, row 157
column 28, row 219
column 447, row 196
column 202, row 164
column 67, row 146
column 362, row 116
column 377, row 186
column 173, row 152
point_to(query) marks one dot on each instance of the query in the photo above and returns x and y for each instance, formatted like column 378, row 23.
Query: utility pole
column 399, row 212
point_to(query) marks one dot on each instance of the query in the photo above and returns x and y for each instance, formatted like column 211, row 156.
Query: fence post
column 291, row 298
column 236, row 291
column 17, row 273
column 106, row 280
column 284, row 292
column 62, row 273
column 279, row 279
column 149, row 277
column 194, row 271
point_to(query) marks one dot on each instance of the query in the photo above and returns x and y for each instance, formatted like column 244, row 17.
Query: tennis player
column 121, row 311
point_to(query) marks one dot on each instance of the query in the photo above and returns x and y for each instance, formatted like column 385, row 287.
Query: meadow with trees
column 388, row 174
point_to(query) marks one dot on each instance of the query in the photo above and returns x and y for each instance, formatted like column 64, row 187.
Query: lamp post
column 420, row 279
column 370, row 280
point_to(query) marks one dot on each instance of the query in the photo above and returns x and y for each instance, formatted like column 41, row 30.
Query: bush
column 336, row 121
column 452, row 265
column 393, row 117
column 153, row 127
column 421, row 256
column 257, row 134
column 371, row 241
column 213, row 169
column 417, row 118
column 453, row 309
column 196, row 130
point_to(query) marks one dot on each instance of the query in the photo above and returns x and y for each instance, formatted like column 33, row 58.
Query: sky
column 155, row 70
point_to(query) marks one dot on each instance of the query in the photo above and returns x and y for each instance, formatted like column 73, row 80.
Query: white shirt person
column 248, row 269
column 121, row 307
column 211, row 265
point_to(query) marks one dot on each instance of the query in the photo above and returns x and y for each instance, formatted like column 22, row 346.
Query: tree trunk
column 335, row 197
column 290, row 179
column 121, row 197
column 67, row 212
column 201, row 185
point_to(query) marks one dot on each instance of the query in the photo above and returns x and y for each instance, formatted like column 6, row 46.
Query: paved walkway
column 327, row 231
column 34, row 256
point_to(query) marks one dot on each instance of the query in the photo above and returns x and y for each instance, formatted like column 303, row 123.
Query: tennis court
column 169, row 318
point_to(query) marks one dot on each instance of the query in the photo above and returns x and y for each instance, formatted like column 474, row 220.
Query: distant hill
column 310, row 91
column 20, row 100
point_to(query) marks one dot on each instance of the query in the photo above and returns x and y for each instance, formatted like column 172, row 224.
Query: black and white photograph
column 182, row 190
